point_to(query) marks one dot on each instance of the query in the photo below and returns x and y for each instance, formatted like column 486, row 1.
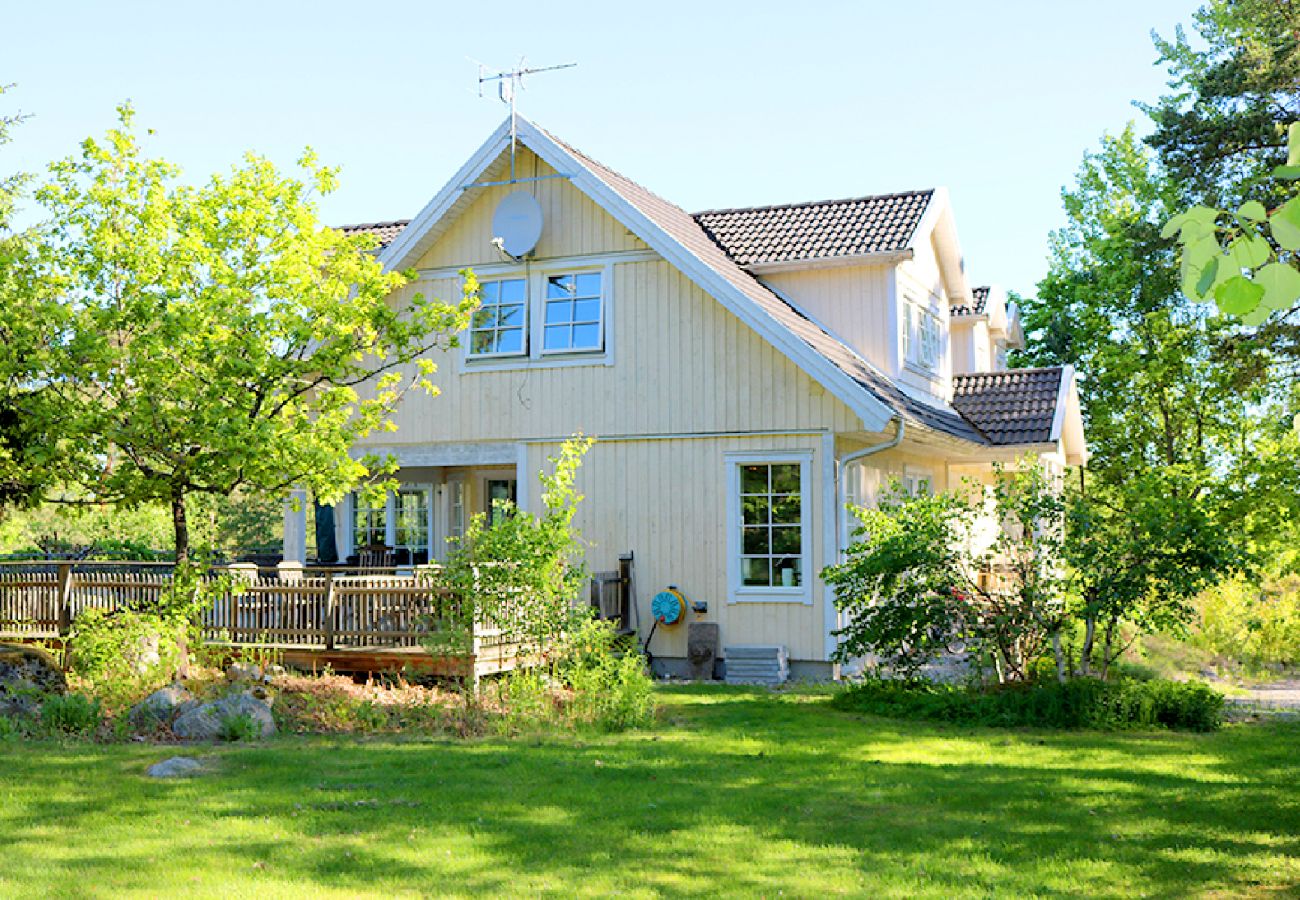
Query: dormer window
column 922, row 339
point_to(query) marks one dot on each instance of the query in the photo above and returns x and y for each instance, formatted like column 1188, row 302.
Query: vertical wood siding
column 852, row 301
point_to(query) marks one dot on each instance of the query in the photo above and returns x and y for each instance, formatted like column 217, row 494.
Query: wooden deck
column 349, row 620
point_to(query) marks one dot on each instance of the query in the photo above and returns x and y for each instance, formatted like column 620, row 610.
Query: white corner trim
column 736, row 594
column 830, row 540
column 1062, row 400
column 523, row 478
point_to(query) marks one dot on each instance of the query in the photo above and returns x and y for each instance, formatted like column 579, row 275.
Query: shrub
column 239, row 727
column 124, row 654
column 71, row 714
column 1078, row 703
column 614, row 693
column 1255, row 623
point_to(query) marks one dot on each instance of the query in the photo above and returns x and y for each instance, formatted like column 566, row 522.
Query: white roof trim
column 1062, row 400
column 875, row 415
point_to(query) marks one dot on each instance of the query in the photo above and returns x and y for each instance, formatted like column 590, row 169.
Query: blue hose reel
column 668, row 607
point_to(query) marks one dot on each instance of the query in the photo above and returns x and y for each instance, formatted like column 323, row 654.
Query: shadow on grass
column 740, row 791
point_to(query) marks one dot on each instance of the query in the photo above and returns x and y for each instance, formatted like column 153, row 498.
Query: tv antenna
column 509, row 84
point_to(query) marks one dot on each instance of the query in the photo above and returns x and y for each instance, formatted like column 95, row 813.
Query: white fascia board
column 888, row 257
column 938, row 220
column 399, row 253
column 873, row 413
column 1062, row 400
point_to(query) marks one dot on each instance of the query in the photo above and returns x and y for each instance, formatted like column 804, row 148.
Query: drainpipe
column 842, row 465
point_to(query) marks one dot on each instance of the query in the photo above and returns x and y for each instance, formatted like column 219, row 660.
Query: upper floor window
column 500, row 324
column 573, row 313
column 549, row 315
column 922, row 339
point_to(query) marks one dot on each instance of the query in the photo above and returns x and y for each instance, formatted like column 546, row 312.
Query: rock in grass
column 162, row 706
column 206, row 721
column 176, row 767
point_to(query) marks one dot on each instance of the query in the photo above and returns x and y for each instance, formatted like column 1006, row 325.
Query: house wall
column 853, row 302
column 972, row 350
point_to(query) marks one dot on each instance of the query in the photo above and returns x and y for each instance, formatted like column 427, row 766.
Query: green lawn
column 738, row 792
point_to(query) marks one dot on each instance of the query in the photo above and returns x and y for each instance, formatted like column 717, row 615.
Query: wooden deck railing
column 325, row 608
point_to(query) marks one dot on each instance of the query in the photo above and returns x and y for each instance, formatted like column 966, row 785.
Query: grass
column 737, row 792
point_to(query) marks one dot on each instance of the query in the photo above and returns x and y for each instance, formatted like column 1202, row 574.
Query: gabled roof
column 826, row 229
column 1016, row 406
column 683, row 241
column 384, row 231
column 979, row 297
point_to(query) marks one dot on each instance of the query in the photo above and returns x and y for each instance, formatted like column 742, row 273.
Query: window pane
column 756, row 540
column 786, row 540
column 559, row 311
column 754, row 510
column 510, row 315
column 512, row 291
column 753, row 479
column 785, row 479
column 586, row 311
column 756, row 571
column 588, row 285
column 557, row 337
column 559, row 287
column 485, row 317
column 586, row 336
column 489, row 292
column 785, row 510
column 786, row 572
column 511, row 340
column 481, row 342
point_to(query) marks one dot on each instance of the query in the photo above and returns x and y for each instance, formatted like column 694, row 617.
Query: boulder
column 176, row 767
column 162, row 706
column 26, row 675
column 203, row 722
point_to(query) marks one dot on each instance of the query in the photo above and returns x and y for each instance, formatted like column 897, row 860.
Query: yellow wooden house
column 745, row 372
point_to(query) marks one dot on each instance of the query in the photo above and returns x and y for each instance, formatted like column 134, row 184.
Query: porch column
column 295, row 527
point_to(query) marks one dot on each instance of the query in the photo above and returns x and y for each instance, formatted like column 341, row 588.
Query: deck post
column 65, row 598
column 330, row 602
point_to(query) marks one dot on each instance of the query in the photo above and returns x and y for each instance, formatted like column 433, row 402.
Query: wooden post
column 65, row 598
column 329, row 610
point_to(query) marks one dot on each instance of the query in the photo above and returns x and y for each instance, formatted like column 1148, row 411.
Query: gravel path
column 1279, row 698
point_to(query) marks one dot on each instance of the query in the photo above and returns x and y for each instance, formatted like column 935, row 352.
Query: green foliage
column 614, row 693
column 1257, row 624
column 71, row 714
column 124, row 654
column 911, row 588
column 217, row 338
column 521, row 573
column 1078, row 703
column 239, row 727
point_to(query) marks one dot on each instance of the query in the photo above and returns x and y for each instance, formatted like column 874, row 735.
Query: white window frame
column 737, row 592
column 917, row 481
column 350, row 509
column 535, row 357
column 922, row 328
column 427, row 490
column 524, row 329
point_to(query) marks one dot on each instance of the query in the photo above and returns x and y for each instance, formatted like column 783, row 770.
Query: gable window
column 500, row 326
column 573, row 313
column 769, row 538
column 922, row 339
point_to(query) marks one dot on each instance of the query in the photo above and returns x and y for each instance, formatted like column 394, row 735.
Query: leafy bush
column 1255, row 623
column 611, row 688
column 124, row 654
column 239, row 727
column 1077, row 703
column 71, row 714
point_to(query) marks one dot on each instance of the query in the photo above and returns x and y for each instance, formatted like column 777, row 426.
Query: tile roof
column 686, row 230
column 1017, row 406
column 821, row 230
column 384, row 231
column 979, row 299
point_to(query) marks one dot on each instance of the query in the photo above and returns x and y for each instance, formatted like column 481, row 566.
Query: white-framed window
column 500, row 324
column 922, row 336
column 573, row 315
column 495, row 489
column 402, row 521
column 917, row 482
column 769, row 533
column 556, row 316
column 456, row 508
column 369, row 524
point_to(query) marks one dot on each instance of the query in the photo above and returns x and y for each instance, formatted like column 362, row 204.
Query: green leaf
column 1194, row 221
column 1252, row 210
column 1288, row 172
column 1293, row 144
column 1238, row 295
column 1209, row 273
column 1249, row 251
column 1256, row 316
column 1285, row 225
column 1281, row 284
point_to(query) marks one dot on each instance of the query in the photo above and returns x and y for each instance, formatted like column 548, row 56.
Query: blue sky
column 709, row 104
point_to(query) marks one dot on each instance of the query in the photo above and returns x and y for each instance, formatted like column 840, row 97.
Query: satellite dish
column 517, row 222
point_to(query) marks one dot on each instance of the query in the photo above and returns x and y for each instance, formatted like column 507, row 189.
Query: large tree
column 219, row 338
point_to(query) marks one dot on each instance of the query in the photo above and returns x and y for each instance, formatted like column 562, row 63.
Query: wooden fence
column 329, row 609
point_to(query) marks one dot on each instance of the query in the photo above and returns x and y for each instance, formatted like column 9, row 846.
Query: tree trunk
column 1105, row 648
column 1089, row 637
column 180, row 527
column 1060, row 656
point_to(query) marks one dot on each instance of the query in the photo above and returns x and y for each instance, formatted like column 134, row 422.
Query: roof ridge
column 1028, row 370
column 805, row 204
